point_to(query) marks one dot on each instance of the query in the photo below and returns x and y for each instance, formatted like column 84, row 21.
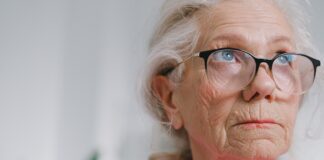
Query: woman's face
column 253, row 123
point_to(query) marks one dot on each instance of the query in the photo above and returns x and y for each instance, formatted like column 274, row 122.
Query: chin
column 262, row 149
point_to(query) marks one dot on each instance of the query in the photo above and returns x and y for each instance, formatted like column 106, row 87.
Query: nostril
column 255, row 95
column 270, row 98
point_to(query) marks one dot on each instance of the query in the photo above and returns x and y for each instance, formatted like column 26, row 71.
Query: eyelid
column 281, row 52
column 285, row 49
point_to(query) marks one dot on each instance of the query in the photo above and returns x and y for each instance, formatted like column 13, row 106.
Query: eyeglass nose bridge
column 258, row 61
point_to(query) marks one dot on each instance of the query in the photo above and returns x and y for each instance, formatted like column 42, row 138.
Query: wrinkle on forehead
column 243, row 10
column 245, row 17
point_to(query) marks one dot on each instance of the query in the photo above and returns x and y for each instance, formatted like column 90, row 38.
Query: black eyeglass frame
column 205, row 55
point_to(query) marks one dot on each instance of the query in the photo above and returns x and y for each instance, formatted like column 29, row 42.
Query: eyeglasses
column 233, row 69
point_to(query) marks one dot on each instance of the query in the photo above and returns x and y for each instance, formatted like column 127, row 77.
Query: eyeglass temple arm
column 168, row 70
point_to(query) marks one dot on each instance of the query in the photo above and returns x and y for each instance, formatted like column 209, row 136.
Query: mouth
column 257, row 124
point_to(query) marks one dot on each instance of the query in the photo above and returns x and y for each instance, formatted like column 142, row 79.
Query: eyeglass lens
column 232, row 70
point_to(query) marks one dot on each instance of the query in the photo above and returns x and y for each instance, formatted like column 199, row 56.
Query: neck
column 201, row 151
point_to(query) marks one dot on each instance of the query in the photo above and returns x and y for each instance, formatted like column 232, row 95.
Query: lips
column 258, row 123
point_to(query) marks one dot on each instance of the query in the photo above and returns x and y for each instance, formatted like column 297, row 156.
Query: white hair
column 177, row 35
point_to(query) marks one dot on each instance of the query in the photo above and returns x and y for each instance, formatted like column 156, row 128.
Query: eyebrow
column 281, row 38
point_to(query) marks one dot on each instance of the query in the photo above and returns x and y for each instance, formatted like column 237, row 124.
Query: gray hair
column 176, row 38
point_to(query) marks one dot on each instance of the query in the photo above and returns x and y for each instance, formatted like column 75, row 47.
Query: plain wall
column 68, row 72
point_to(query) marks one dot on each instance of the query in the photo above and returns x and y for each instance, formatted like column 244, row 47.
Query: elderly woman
column 229, row 76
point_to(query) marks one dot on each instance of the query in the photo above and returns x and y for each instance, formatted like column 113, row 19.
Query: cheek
column 193, row 105
column 218, row 103
column 209, row 110
column 286, row 111
column 289, row 113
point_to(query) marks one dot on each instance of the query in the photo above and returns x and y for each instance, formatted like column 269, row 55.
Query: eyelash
column 280, row 52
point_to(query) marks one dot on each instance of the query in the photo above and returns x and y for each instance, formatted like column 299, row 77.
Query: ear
column 164, row 91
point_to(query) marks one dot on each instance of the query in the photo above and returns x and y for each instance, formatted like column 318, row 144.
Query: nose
column 261, row 87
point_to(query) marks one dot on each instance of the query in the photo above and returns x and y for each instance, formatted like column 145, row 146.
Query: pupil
column 285, row 59
column 227, row 55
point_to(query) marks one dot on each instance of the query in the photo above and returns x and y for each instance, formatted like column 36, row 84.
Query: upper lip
column 259, row 121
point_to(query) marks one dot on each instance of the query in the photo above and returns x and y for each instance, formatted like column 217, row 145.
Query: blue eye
column 285, row 58
column 224, row 56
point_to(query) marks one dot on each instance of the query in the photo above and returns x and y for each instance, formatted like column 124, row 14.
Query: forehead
column 256, row 22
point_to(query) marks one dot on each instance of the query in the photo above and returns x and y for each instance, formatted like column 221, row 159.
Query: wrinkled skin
column 219, row 123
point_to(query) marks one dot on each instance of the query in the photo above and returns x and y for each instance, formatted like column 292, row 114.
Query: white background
column 68, row 72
